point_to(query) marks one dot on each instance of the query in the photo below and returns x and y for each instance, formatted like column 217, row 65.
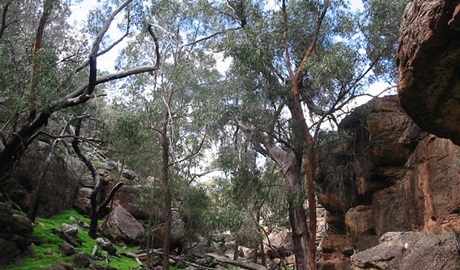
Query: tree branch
column 194, row 153
column 38, row 43
column 3, row 23
column 97, row 42
column 210, row 36
column 313, row 43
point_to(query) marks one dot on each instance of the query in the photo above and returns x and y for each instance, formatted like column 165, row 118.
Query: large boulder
column 408, row 251
column 59, row 184
column 121, row 226
column 428, row 57
column 135, row 199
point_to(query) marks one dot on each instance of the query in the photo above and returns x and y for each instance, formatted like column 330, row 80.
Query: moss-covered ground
column 48, row 253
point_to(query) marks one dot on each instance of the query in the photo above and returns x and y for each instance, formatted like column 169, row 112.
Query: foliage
column 380, row 26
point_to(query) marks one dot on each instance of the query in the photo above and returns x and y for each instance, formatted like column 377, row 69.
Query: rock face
column 409, row 250
column 381, row 174
column 432, row 185
column 428, row 57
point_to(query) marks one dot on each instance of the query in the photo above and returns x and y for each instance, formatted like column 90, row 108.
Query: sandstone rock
column 428, row 56
column 67, row 266
column 120, row 225
column 361, row 226
column 177, row 228
column 335, row 252
column 389, row 209
column 409, row 250
column 432, row 186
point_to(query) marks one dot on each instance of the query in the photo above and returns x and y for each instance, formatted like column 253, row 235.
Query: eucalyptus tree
column 295, row 66
column 252, row 189
column 48, row 68
column 177, row 98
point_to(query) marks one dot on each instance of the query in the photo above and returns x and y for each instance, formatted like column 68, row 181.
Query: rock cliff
column 381, row 173
column 428, row 57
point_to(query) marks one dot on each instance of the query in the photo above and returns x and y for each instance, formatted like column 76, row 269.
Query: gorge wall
column 428, row 57
column 381, row 173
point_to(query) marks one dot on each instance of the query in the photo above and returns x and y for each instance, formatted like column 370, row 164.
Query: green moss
column 48, row 253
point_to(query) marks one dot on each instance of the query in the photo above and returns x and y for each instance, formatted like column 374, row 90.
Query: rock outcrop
column 428, row 57
column 381, row 173
column 409, row 250
column 15, row 234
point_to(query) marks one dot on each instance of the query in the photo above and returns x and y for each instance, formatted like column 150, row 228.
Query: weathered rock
column 120, row 225
column 361, row 174
column 428, row 57
column 133, row 198
column 15, row 234
column 176, row 235
column 361, row 227
column 82, row 201
column 80, row 259
column 70, row 229
column 61, row 180
column 335, row 252
column 67, row 248
column 67, row 266
column 389, row 209
column 280, row 244
column 432, row 186
column 106, row 245
column 74, row 241
column 409, row 250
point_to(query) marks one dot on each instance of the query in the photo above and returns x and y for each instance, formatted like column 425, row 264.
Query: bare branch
column 157, row 46
column 210, row 36
column 97, row 42
column 3, row 23
column 194, row 153
column 313, row 43
column 38, row 43
column 109, row 48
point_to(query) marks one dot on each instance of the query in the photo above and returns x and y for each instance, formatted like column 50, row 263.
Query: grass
column 48, row 253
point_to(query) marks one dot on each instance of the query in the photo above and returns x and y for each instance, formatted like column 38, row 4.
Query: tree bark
column 96, row 195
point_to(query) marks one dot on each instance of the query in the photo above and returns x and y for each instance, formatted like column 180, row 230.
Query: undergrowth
column 48, row 253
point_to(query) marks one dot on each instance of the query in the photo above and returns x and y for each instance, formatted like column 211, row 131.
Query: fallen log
column 247, row 265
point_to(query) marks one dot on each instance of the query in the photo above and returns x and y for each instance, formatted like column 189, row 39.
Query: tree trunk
column 15, row 148
column 163, row 138
column 167, row 209
column 235, row 250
